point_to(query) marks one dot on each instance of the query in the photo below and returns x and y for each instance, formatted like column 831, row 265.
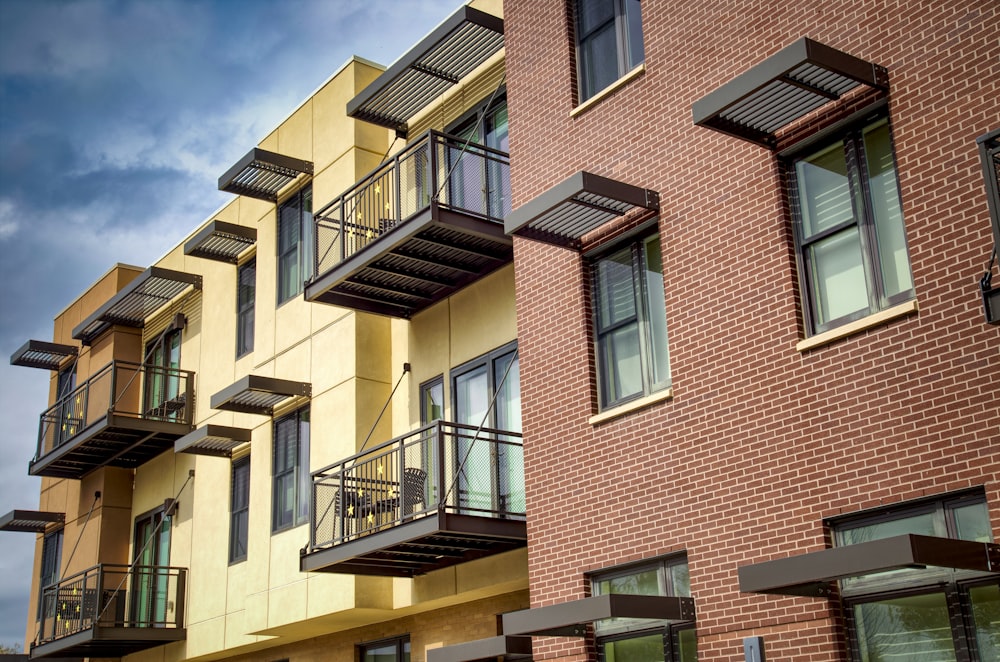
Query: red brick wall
column 760, row 442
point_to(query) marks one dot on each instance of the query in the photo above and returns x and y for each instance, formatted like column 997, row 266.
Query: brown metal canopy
column 786, row 86
column 147, row 293
column 30, row 521
column 214, row 440
column 572, row 208
column 221, row 241
column 41, row 354
column 570, row 619
column 261, row 174
column 254, row 394
column 450, row 52
column 811, row 574
column 503, row 646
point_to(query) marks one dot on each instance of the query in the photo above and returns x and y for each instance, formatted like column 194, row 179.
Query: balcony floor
column 102, row 641
column 434, row 541
column 421, row 261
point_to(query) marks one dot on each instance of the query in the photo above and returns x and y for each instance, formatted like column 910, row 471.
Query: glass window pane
column 621, row 364
column 824, row 191
column 656, row 313
column 508, row 398
column 972, row 522
column 304, row 483
column 680, row 580
column 893, row 257
column 839, row 284
column 615, row 289
column 638, row 649
column 921, row 524
column 633, row 26
column 986, row 618
column 644, row 582
column 431, row 402
column 687, row 645
column 909, row 628
column 598, row 61
column 593, row 13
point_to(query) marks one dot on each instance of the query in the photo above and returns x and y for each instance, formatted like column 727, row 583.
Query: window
column 849, row 235
column 608, row 42
column 163, row 381
column 292, row 484
column 294, row 243
column 479, row 181
column 624, row 639
column 929, row 613
column 51, row 562
column 246, row 295
column 432, row 400
column 151, row 605
column 630, row 322
column 396, row 649
column 239, row 510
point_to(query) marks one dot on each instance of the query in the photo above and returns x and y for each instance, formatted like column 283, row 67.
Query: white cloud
column 8, row 220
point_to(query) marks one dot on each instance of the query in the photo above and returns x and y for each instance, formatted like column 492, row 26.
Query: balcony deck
column 112, row 611
column 441, row 495
column 123, row 416
column 417, row 229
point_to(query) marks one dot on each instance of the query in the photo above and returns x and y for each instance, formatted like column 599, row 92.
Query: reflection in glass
column 910, row 628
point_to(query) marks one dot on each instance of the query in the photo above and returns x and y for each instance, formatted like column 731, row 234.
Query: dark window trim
column 894, row 510
column 237, row 465
column 245, row 345
column 59, row 534
column 297, row 519
column 476, row 110
column 305, row 234
column 425, row 386
column 488, row 359
column 397, row 641
column 622, row 56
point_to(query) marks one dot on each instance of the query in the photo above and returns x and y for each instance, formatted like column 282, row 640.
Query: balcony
column 441, row 495
column 420, row 227
column 111, row 611
column 124, row 415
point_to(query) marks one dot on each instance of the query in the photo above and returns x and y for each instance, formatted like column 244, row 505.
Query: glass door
column 163, row 360
column 473, row 456
column 477, row 181
column 150, row 578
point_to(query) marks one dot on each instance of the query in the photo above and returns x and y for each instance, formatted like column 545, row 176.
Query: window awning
column 30, row 521
column 786, row 86
column 989, row 154
column 811, row 574
column 147, row 293
column 214, row 440
column 42, row 354
column 261, row 174
column 570, row 619
column 574, row 207
column 254, row 394
column 504, row 646
column 221, row 241
column 450, row 52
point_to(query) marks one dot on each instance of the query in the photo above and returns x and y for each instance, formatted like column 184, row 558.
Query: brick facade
column 760, row 442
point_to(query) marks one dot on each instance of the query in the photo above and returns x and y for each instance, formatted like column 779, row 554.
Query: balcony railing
column 121, row 395
column 443, row 470
column 112, row 610
column 442, row 200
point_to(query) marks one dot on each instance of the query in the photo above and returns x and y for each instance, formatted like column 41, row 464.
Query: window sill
column 607, row 91
column 632, row 405
column 877, row 319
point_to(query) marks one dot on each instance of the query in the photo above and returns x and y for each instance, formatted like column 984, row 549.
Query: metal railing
column 439, row 467
column 113, row 596
column 121, row 387
column 471, row 179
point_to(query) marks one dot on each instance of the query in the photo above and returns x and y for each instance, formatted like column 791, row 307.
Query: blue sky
column 116, row 119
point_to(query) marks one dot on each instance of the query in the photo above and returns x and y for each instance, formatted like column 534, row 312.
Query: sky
column 116, row 119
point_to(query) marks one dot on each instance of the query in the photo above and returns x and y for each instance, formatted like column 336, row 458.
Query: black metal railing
column 471, row 179
column 113, row 596
column 440, row 467
column 121, row 387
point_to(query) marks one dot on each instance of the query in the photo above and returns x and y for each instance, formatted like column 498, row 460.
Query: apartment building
column 297, row 435
column 760, row 395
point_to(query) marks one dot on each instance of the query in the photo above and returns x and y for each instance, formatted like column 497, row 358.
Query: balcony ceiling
column 30, row 521
column 783, row 88
column 450, row 52
column 581, row 203
column 414, row 265
column 255, row 394
column 41, row 354
column 220, row 241
column 146, row 294
column 417, row 547
column 214, row 440
column 262, row 174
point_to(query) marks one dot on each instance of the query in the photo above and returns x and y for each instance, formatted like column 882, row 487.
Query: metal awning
column 570, row 619
column 786, row 86
column 254, row 394
column 214, row 440
column 221, row 241
column 574, row 207
column 30, row 521
column 811, row 574
column 261, row 174
column 989, row 154
column 506, row 646
column 146, row 294
column 42, row 354
column 450, row 52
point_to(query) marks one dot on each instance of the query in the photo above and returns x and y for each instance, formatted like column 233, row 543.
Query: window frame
column 246, row 301
column 850, row 134
column 426, row 388
column 635, row 243
column 299, row 252
column 624, row 37
column 298, row 471
column 44, row 579
column 488, row 360
column 239, row 510
column 401, row 644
